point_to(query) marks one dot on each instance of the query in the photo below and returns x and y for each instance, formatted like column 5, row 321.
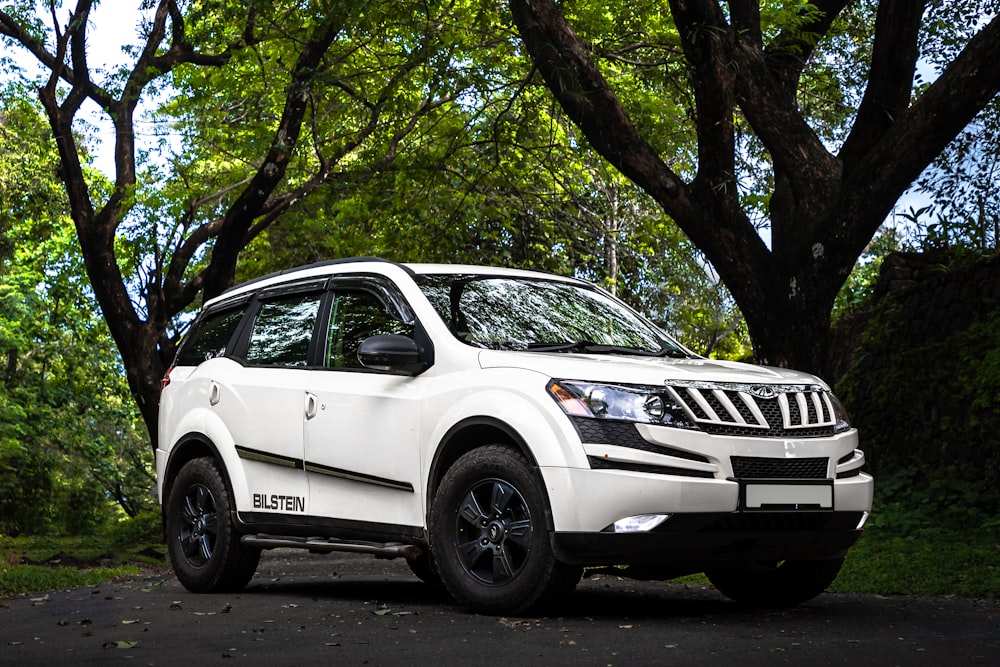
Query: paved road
column 306, row 609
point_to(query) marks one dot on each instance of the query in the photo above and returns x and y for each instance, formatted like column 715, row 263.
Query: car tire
column 202, row 540
column 784, row 584
column 424, row 568
column 489, row 535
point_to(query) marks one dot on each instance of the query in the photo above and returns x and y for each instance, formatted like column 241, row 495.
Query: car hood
column 626, row 369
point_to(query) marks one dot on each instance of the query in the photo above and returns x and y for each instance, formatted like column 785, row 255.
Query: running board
column 327, row 545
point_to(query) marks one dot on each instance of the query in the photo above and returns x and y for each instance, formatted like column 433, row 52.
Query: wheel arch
column 469, row 434
column 189, row 447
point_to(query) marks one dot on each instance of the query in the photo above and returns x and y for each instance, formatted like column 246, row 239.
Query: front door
column 362, row 426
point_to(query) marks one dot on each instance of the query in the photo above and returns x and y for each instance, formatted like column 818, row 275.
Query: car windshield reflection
column 516, row 313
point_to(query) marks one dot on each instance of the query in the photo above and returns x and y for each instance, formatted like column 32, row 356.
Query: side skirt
column 298, row 530
column 321, row 545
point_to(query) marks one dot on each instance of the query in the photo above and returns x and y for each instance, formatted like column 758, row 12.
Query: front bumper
column 730, row 500
column 688, row 543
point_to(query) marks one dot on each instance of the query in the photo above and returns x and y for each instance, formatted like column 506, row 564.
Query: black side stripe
column 299, row 464
column 357, row 476
column 267, row 457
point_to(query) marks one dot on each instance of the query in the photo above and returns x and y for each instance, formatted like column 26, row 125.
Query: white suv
column 499, row 429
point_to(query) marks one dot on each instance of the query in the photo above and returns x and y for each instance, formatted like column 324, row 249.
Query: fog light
column 864, row 519
column 640, row 524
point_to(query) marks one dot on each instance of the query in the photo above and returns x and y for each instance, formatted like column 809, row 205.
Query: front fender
column 518, row 400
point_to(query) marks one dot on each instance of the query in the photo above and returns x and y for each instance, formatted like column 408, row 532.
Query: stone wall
column 919, row 368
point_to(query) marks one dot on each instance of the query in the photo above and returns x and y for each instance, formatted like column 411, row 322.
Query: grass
column 937, row 561
column 941, row 539
column 937, row 538
column 42, row 563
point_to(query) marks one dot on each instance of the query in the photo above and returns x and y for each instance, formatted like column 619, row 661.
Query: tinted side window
column 356, row 316
column 209, row 338
column 283, row 330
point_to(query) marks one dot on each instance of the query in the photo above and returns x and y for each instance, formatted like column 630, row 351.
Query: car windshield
column 517, row 313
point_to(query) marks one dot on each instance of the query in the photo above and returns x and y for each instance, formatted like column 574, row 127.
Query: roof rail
column 314, row 265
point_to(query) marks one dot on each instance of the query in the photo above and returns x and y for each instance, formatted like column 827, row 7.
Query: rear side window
column 209, row 338
column 283, row 330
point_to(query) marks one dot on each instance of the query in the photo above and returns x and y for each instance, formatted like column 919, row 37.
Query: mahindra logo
column 763, row 391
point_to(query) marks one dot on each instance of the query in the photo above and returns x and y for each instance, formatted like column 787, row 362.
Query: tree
column 964, row 185
column 70, row 439
column 339, row 63
column 748, row 67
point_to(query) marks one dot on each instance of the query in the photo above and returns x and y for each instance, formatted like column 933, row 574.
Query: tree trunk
column 824, row 208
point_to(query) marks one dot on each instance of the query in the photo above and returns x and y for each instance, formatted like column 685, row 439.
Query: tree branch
column 920, row 133
column 708, row 44
column 564, row 62
column 890, row 81
column 240, row 216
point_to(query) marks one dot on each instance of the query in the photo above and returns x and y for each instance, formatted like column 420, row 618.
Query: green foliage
column 145, row 528
column 29, row 564
column 492, row 175
column 26, row 485
column 859, row 286
column 21, row 579
column 71, row 456
column 930, row 534
column 922, row 389
column 933, row 389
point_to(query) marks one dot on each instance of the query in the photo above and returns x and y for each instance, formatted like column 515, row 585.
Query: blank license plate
column 788, row 496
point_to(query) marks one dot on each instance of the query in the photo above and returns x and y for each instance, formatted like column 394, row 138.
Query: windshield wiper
column 590, row 347
column 672, row 352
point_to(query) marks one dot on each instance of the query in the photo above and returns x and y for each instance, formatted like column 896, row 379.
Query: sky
column 113, row 24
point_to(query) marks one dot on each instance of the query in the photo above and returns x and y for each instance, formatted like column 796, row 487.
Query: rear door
column 265, row 401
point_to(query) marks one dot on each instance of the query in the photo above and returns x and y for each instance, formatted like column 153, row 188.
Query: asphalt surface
column 304, row 609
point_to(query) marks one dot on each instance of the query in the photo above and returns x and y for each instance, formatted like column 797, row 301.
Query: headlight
column 631, row 403
column 841, row 422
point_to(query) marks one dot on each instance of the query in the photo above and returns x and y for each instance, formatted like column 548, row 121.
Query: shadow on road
column 595, row 598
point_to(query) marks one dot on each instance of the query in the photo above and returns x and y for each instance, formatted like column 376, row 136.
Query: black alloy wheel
column 490, row 538
column 202, row 539
column 199, row 525
column 493, row 533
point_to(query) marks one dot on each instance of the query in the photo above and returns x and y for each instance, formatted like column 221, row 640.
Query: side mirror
column 395, row 354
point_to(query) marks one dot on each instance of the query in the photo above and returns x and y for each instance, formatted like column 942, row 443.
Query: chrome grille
column 794, row 410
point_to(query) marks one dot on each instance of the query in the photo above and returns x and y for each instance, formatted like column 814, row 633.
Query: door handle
column 311, row 404
column 215, row 395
